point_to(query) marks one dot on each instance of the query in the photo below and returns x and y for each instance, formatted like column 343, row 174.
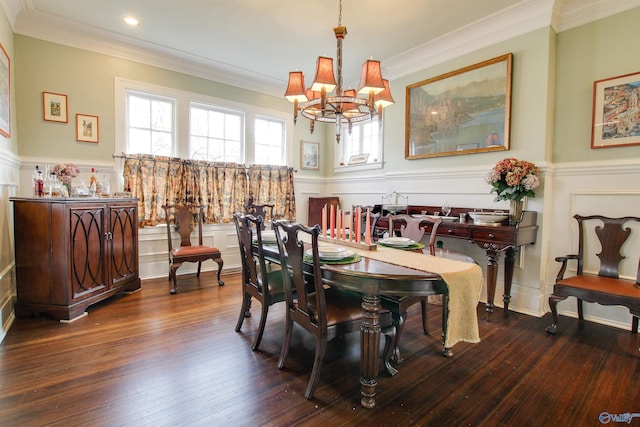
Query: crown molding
column 519, row 19
column 576, row 13
column 508, row 23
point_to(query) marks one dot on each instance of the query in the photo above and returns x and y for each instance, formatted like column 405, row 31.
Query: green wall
column 530, row 100
column 595, row 51
column 6, row 38
column 88, row 80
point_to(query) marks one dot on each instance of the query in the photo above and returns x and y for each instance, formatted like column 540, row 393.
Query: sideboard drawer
column 452, row 230
column 492, row 235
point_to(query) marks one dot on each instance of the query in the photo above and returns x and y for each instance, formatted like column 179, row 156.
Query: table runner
column 463, row 279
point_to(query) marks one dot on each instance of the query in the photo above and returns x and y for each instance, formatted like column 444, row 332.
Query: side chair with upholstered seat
column 260, row 280
column 185, row 218
column 605, row 287
column 324, row 313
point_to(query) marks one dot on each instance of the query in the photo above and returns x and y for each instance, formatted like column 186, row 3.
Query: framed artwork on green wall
column 5, row 93
column 616, row 111
column 464, row 111
column 309, row 155
column 86, row 128
column 54, row 107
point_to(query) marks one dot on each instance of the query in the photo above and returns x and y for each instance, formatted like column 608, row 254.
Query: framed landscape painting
column 461, row 112
column 54, row 107
column 616, row 112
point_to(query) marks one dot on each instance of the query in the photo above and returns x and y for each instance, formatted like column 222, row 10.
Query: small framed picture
column 86, row 128
column 357, row 159
column 54, row 107
column 310, row 155
column 616, row 121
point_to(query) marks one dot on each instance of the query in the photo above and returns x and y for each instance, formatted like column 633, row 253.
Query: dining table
column 390, row 271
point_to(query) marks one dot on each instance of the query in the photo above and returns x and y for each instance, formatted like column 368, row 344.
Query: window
column 150, row 124
column 269, row 141
column 169, row 122
column 215, row 134
column 364, row 142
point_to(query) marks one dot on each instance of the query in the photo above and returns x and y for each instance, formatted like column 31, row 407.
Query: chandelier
column 320, row 103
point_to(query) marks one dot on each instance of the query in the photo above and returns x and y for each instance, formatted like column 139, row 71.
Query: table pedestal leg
column 369, row 346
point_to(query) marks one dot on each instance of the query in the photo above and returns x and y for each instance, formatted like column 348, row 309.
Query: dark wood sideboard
column 494, row 239
column 71, row 253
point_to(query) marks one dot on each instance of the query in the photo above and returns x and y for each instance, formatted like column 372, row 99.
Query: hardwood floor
column 154, row 359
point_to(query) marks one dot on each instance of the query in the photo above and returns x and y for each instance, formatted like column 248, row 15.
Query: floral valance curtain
column 222, row 187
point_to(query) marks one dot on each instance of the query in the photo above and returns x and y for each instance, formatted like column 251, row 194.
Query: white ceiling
column 255, row 43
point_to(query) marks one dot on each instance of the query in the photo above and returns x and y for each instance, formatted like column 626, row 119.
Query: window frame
column 341, row 168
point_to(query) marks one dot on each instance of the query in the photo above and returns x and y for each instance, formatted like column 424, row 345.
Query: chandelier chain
column 340, row 13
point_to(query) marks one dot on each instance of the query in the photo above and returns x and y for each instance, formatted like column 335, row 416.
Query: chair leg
column 580, row 312
column 263, row 321
column 321, row 348
column 389, row 340
column 553, row 301
column 246, row 302
column 174, row 279
column 634, row 325
column 399, row 324
column 284, row 352
column 425, row 323
column 199, row 265
column 220, row 264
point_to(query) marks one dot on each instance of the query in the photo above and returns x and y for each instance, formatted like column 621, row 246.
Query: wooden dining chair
column 265, row 211
column 414, row 229
column 260, row 280
column 324, row 313
column 605, row 287
column 185, row 218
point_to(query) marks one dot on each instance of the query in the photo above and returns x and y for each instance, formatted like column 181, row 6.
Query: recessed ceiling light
column 131, row 21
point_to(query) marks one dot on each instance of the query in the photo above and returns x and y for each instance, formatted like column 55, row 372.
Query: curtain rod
column 191, row 162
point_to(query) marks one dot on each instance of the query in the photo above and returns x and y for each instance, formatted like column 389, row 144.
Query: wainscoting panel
column 602, row 188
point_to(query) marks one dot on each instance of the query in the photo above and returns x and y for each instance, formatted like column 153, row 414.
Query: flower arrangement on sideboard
column 66, row 172
column 513, row 179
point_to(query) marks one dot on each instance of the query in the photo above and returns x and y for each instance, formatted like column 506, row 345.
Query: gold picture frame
column 461, row 112
column 54, row 107
column 87, row 129
column 613, row 124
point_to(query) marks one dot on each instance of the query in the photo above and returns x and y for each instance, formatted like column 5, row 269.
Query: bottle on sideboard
column 93, row 185
column 38, row 183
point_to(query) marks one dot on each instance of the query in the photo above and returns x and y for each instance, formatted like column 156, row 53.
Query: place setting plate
column 397, row 241
column 331, row 253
